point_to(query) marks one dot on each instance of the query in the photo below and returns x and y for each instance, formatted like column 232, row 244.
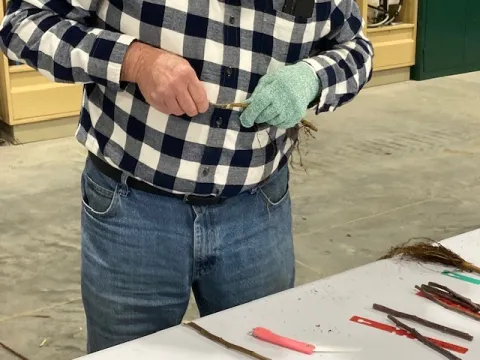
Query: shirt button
column 206, row 171
column 219, row 121
column 231, row 20
column 229, row 71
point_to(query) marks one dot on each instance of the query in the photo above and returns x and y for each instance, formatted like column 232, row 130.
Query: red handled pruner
column 303, row 347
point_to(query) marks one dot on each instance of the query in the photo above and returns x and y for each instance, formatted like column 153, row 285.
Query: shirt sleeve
column 56, row 37
column 346, row 66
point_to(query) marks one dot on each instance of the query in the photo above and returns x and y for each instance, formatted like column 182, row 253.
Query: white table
column 321, row 313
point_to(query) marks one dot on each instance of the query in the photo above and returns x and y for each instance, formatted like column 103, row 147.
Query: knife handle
column 268, row 336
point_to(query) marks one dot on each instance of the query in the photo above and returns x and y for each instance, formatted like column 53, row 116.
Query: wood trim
column 390, row 28
column 391, row 76
column 363, row 5
column 45, row 130
column 44, row 100
column 14, row 69
column 392, row 67
column 37, row 119
column 5, row 98
column 409, row 13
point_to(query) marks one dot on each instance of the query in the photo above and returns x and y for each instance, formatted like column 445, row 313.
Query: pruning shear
column 303, row 347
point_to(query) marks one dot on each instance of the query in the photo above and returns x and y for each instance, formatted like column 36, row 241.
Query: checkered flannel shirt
column 230, row 44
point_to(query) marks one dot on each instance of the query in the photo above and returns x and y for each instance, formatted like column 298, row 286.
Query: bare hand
column 167, row 81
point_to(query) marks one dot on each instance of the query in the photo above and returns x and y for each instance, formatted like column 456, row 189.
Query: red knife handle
column 268, row 336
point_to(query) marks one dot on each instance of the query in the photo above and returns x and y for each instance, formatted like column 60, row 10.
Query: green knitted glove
column 282, row 97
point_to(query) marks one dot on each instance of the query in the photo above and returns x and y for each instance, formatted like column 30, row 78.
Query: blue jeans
column 142, row 254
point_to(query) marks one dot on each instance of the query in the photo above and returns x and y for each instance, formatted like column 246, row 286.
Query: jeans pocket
column 99, row 193
column 276, row 190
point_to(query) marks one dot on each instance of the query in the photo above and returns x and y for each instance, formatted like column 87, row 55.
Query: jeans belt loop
column 124, row 184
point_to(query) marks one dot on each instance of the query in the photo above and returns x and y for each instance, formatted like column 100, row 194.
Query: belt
column 116, row 175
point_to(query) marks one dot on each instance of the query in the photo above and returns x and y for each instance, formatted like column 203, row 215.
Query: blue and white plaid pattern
column 230, row 44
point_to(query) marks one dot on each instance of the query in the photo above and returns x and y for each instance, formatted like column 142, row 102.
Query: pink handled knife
column 305, row 348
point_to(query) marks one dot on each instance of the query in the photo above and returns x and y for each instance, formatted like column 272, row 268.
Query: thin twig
column 445, row 295
column 423, row 339
column 437, row 301
column 475, row 307
column 13, row 352
column 225, row 343
column 427, row 323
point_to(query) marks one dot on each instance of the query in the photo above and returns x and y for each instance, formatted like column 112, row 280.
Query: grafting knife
column 303, row 347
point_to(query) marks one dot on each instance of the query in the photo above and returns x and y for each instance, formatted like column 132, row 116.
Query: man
column 178, row 192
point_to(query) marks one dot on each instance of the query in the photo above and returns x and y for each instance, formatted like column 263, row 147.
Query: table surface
column 321, row 312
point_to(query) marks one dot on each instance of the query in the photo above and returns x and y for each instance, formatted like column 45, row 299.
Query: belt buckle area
column 195, row 200
column 187, row 199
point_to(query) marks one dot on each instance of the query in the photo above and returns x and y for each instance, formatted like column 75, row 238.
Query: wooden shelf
column 15, row 69
column 390, row 28
column 34, row 106
column 394, row 45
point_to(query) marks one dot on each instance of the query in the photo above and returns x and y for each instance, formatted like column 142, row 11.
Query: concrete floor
column 400, row 161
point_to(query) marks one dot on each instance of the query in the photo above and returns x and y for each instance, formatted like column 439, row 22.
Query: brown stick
column 13, row 352
column 470, row 267
column 446, row 306
column 423, row 339
column 448, row 296
column 225, row 343
column 309, row 125
column 419, row 320
column 469, row 302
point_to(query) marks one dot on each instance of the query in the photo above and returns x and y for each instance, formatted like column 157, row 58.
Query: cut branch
column 475, row 307
column 225, row 343
column 437, row 301
column 423, row 339
column 444, row 295
column 427, row 323
column 13, row 352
